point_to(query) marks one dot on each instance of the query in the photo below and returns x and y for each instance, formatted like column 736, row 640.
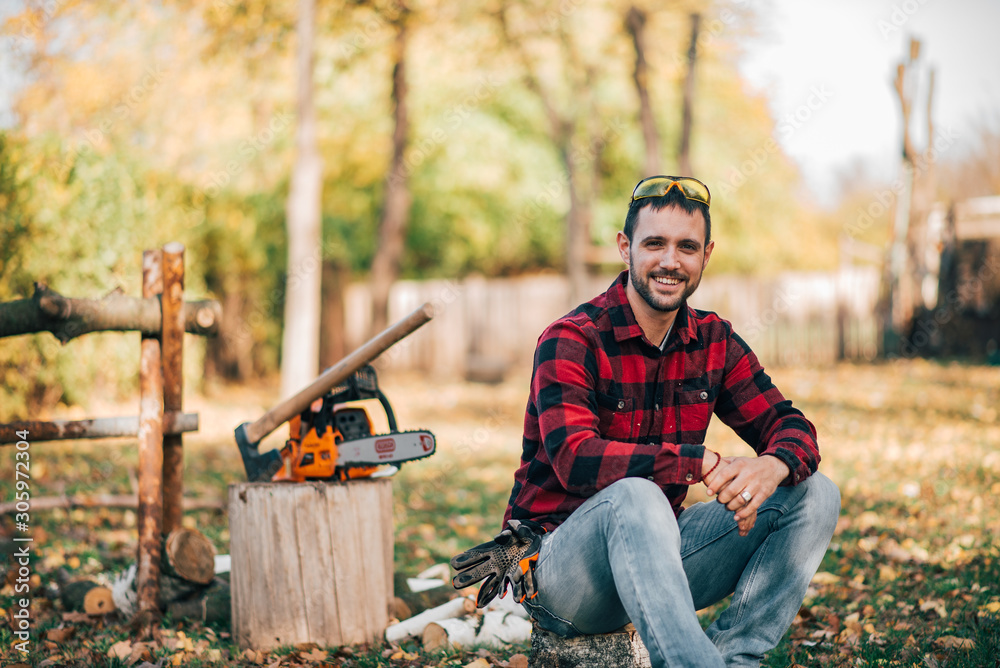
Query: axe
column 260, row 467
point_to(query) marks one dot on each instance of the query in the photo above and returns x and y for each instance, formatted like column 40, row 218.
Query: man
column 621, row 396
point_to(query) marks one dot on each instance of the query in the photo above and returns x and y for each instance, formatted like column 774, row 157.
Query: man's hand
column 507, row 559
column 737, row 478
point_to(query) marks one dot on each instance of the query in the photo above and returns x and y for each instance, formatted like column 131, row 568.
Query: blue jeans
column 622, row 556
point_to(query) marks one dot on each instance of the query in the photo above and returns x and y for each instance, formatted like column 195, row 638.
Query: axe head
column 259, row 467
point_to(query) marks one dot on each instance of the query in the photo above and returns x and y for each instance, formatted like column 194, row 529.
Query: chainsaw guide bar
column 392, row 448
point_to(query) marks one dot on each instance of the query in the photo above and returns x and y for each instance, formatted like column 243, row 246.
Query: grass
column 912, row 577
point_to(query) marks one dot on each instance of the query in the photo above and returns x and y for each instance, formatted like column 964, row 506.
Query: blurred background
column 480, row 155
column 331, row 165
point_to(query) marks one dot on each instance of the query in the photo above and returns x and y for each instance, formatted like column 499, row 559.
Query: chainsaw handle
column 338, row 373
column 389, row 415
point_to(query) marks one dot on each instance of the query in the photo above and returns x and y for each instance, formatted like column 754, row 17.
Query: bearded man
column 621, row 395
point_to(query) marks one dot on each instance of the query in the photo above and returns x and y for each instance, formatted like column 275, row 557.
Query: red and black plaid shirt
column 607, row 404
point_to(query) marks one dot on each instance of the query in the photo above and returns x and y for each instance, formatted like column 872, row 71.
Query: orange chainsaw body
column 313, row 456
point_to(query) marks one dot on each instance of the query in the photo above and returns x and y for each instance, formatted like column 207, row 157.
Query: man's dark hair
column 674, row 197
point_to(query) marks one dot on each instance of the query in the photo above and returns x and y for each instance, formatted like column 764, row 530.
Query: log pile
column 458, row 623
column 189, row 588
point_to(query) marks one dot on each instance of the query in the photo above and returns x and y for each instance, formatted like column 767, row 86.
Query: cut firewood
column 98, row 601
column 73, row 594
column 208, row 606
column 493, row 628
column 435, row 635
column 189, row 555
column 414, row 626
column 399, row 609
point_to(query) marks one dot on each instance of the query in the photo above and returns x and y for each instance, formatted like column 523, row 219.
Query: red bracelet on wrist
column 715, row 466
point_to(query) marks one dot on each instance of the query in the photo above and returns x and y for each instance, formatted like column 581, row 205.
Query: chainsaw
column 332, row 439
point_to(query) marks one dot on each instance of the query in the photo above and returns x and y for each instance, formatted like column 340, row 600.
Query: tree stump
column 622, row 648
column 311, row 562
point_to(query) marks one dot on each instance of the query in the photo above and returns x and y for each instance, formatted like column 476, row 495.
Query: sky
column 828, row 67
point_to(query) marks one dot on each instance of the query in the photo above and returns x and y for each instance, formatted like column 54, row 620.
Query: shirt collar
column 623, row 321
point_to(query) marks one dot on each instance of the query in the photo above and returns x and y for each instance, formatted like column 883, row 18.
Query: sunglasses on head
column 657, row 186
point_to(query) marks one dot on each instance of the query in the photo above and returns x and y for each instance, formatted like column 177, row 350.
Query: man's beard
column 661, row 303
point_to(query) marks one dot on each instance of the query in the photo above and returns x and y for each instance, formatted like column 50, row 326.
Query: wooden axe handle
column 338, row 373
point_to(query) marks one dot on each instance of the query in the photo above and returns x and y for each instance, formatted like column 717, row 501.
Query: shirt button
column 689, row 477
column 703, row 395
column 657, row 406
column 621, row 404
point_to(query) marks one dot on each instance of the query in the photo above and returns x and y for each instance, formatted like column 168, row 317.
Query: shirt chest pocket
column 615, row 417
column 694, row 410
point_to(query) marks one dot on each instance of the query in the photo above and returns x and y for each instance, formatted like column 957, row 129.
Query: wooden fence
column 493, row 324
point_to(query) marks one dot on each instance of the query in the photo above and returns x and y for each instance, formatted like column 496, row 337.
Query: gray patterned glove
column 509, row 558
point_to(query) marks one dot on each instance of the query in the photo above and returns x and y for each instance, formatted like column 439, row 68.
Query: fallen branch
column 69, row 317
column 102, row 501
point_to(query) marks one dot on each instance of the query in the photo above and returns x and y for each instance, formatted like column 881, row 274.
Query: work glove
column 507, row 559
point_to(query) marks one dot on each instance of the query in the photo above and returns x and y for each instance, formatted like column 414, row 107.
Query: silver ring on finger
column 747, row 496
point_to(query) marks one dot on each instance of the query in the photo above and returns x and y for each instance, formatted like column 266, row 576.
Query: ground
column 912, row 577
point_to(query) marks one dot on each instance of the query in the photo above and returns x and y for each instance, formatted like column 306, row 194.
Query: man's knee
column 822, row 498
column 640, row 493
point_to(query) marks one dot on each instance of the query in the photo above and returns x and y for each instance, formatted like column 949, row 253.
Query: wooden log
column 69, row 317
column 73, row 593
column 150, row 511
column 172, row 356
column 70, row 501
column 86, row 596
column 112, row 427
column 189, row 555
column 211, row 605
column 414, row 626
column 311, row 562
column 492, row 629
column 622, row 648
column 98, row 601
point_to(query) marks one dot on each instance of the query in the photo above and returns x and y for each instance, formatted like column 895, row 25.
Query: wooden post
column 150, row 511
column 311, row 562
column 172, row 341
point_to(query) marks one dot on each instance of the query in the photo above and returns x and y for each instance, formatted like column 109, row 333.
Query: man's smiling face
column 666, row 256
